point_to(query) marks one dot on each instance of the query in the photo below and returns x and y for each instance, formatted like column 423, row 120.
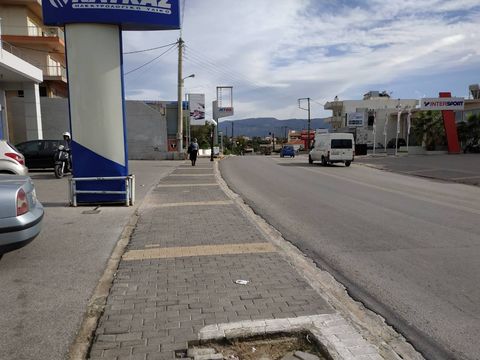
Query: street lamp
column 180, row 112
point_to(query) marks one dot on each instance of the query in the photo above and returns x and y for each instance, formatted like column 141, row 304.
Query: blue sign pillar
column 93, row 34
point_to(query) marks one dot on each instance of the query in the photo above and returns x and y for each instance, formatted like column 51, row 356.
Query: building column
column 33, row 117
column 3, row 116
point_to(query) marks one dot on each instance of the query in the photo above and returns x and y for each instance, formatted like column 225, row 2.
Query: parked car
column 21, row 213
column 391, row 143
column 39, row 154
column 11, row 160
column 287, row 150
column 378, row 146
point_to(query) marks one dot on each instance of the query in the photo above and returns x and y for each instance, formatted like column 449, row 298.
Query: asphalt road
column 407, row 247
column 45, row 286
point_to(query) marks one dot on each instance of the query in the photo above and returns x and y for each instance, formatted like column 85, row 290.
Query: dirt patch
column 272, row 347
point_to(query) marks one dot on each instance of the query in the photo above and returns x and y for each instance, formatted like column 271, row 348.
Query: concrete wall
column 14, row 20
column 146, row 132
column 146, row 127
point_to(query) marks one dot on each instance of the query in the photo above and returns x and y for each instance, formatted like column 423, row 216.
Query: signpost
column 93, row 35
column 447, row 104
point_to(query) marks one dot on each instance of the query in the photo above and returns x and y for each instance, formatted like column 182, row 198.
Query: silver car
column 21, row 213
column 11, row 160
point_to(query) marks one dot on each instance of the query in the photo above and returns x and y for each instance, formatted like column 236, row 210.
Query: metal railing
column 56, row 70
column 129, row 188
column 33, row 31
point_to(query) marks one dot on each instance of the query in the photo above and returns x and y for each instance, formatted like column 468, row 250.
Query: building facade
column 379, row 114
column 36, row 46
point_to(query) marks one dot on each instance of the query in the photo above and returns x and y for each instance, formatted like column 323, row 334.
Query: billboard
column 355, row 119
column 451, row 103
column 130, row 14
column 196, row 107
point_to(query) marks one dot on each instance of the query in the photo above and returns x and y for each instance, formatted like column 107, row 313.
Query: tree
column 470, row 129
column 428, row 129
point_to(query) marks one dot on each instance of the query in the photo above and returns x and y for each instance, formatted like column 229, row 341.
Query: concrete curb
column 331, row 332
column 390, row 344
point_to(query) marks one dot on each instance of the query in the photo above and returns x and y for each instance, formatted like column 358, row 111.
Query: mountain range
column 263, row 126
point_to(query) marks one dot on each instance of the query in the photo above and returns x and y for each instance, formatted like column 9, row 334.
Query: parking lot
column 47, row 284
column 461, row 168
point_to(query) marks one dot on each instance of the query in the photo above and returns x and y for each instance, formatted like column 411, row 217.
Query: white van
column 332, row 148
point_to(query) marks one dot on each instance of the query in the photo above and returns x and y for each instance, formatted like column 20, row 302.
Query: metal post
column 211, row 142
column 399, row 115
column 374, row 130
column 180, row 96
column 308, row 135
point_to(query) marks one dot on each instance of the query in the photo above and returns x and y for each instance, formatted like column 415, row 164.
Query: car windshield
column 341, row 143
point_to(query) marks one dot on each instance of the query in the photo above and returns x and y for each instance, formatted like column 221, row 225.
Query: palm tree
column 428, row 129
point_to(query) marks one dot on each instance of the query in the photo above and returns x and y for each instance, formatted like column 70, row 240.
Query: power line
column 150, row 61
column 150, row 49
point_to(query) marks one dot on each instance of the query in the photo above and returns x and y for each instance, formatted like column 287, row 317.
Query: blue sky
column 274, row 52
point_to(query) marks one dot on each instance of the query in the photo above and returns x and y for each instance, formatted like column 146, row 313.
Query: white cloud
column 274, row 53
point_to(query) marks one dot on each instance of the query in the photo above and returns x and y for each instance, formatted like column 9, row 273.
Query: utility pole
column 180, row 105
column 308, row 123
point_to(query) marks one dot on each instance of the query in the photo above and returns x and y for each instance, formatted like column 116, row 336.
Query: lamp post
column 180, row 110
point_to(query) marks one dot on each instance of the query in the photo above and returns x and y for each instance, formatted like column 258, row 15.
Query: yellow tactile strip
column 204, row 250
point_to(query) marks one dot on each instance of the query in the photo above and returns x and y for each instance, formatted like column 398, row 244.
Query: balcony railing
column 57, row 70
column 53, row 70
column 33, row 31
column 14, row 51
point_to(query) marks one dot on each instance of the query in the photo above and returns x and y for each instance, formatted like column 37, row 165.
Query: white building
column 378, row 109
column 18, row 75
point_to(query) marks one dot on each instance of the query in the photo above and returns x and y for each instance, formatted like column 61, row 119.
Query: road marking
column 183, row 185
column 398, row 192
column 152, row 252
column 196, row 203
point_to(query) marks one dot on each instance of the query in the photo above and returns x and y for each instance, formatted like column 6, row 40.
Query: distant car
column 11, row 160
column 391, row 143
column 39, row 154
column 378, row 146
column 21, row 213
column 287, row 150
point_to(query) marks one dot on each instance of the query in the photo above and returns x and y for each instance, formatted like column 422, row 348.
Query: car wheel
column 324, row 161
column 310, row 160
column 347, row 163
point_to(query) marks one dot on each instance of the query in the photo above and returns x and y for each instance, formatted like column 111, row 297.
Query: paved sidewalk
column 177, row 276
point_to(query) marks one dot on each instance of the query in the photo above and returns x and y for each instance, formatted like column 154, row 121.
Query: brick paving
column 158, row 305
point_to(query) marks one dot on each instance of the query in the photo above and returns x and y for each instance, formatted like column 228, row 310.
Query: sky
column 275, row 51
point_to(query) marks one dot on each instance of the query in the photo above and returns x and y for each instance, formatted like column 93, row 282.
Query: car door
column 31, row 152
column 47, row 153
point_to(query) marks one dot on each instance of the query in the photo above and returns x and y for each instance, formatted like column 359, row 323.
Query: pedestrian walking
column 193, row 151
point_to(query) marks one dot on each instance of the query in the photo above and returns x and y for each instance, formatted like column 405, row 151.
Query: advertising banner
column 355, row 119
column 196, row 105
column 129, row 14
column 442, row 103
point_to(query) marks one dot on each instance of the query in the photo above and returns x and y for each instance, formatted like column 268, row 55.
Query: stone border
column 330, row 331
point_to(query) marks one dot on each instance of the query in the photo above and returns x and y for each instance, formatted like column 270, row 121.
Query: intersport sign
column 442, row 104
column 130, row 14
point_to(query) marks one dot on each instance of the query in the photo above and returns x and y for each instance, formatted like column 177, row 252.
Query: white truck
column 332, row 148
